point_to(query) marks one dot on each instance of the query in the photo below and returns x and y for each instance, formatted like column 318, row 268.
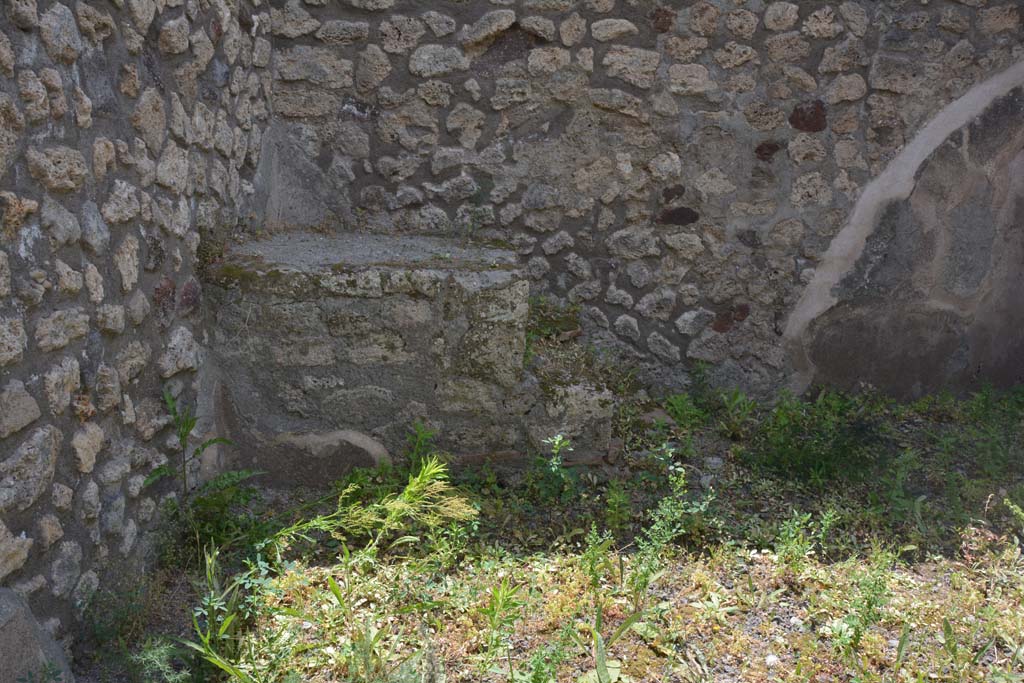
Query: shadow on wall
column 933, row 301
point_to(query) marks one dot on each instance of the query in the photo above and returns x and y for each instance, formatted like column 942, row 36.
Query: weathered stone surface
column 5, row 274
column 60, row 34
column 23, row 13
column 292, row 20
column 372, row 68
column 809, row 116
column 346, row 445
column 846, row 88
column 95, row 24
column 107, row 386
column 17, row 408
column 87, row 443
column 661, row 347
column 174, row 35
column 781, row 16
column 13, row 554
column 633, row 65
column 182, row 353
column 896, row 74
column 605, row 30
column 12, row 340
column 110, row 318
column 172, row 168
column 12, row 122
column 60, row 384
column 487, row 28
column 27, row 473
column 787, row 47
column 56, row 330
column 95, row 233
column 317, row 65
column 822, row 23
column 150, row 119
column 66, row 568
column 810, row 188
column 126, row 260
column 50, row 530
column 437, row 60
column 690, row 79
column 1001, row 19
column 123, row 203
column 27, row 647
column 59, row 169
column 60, row 224
column 339, row 32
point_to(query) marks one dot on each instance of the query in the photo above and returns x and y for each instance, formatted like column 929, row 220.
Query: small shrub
column 421, row 443
column 548, row 477
column 736, row 413
column 159, row 661
column 503, row 609
column 50, row 673
column 687, row 415
column 815, row 440
column 617, row 507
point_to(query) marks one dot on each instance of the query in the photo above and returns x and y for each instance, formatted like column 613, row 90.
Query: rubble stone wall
column 127, row 128
column 695, row 176
column 676, row 169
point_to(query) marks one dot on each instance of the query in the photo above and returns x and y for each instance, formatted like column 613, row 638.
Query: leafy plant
column 1018, row 514
column 817, row 440
column 550, row 477
column 685, row 412
column 617, row 506
column 50, row 673
column 801, row 535
column 543, row 664
column 159, row 661
column 420, row 442
column 217, row 620
column 716, row 608
column 184, row 422
column 596, row 564
column 502, row 611
column 866, row 609
column 736, row 414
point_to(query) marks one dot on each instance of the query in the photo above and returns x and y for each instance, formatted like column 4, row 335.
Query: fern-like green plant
column 184, row 421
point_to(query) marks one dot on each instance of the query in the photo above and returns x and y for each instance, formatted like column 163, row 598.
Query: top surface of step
column 355, row 251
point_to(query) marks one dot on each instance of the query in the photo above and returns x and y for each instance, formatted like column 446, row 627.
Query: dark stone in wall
column 663, row 19
column 766, row 150
column 809, row 116
column 679, row 216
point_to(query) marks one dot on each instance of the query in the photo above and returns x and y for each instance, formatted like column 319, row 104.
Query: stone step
column 327, row 348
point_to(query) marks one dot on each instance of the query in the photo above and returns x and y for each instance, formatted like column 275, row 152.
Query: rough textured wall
column 126, row 128
column 930, row 299
column 677, row 170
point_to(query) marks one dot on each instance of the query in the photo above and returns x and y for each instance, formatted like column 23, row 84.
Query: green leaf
column 157, row 474
column 404, row 540
column 211, row 442
column 630, row 620
column 601, row 659
column 336, row 591
column 901, row 650
column 982, row 652
column 226, row 625
column 948, row 637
